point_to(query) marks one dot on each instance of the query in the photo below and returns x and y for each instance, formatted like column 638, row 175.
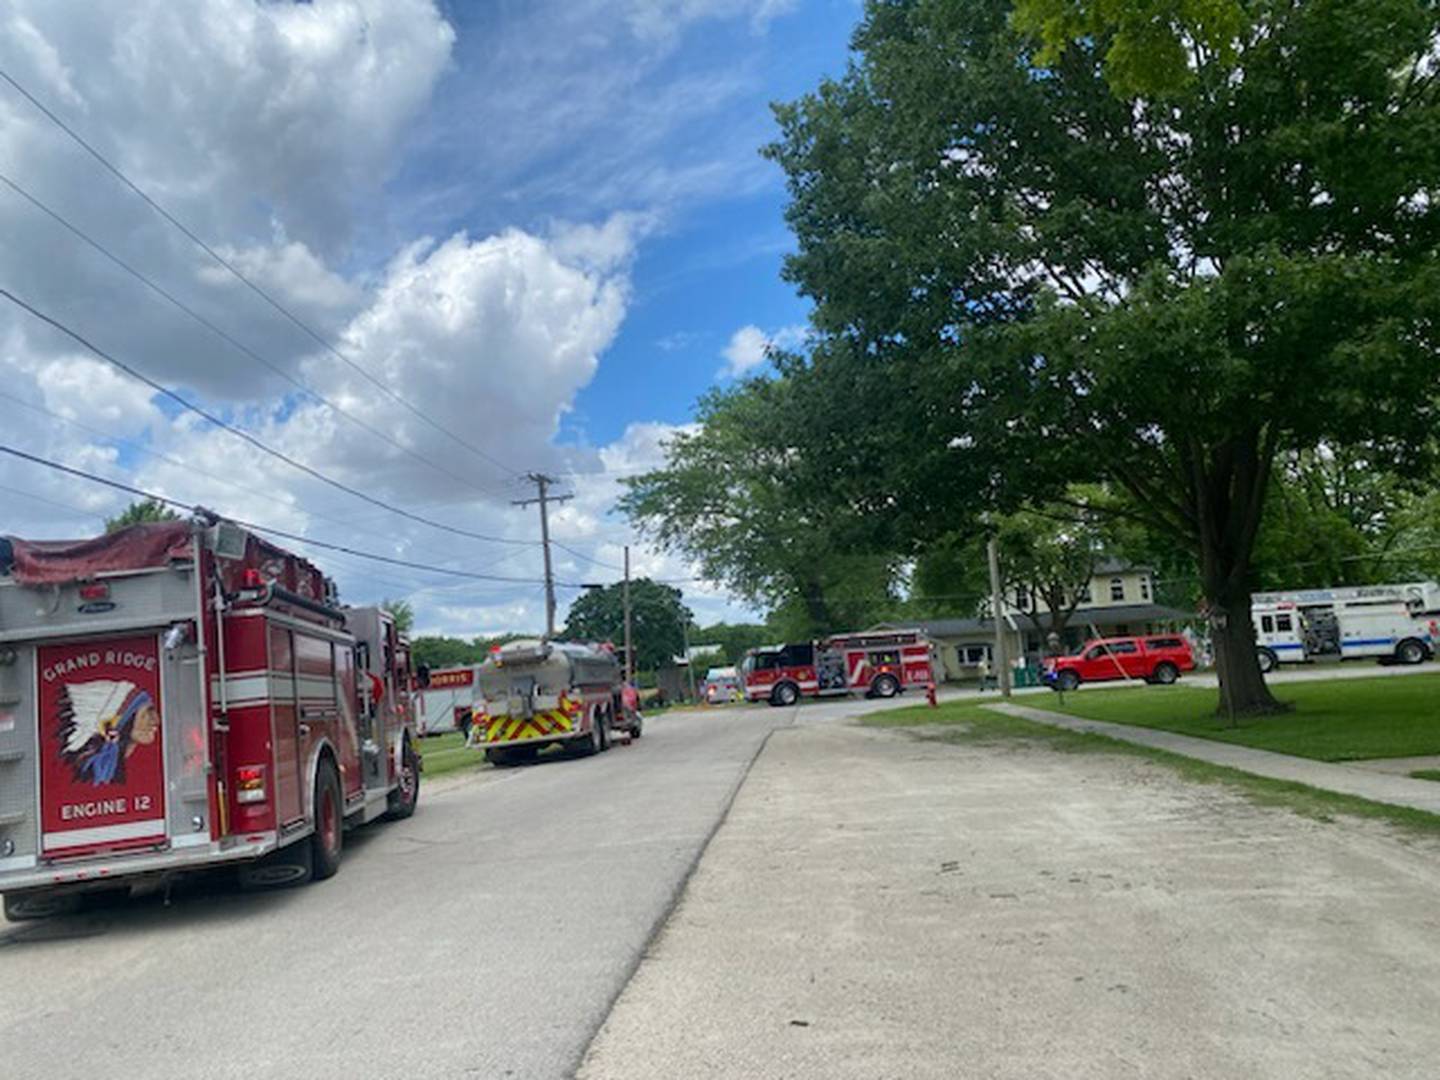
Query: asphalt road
column 487, row 936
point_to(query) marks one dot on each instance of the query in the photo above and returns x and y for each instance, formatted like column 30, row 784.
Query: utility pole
column 629, row 639
column 997, row 609
column 544, row 498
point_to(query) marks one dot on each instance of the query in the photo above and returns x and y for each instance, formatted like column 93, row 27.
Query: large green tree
column 740, row 498
column 1167, row 294
column 658, row 618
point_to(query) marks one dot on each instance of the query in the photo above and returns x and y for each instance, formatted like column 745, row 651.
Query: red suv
column 1154, row 659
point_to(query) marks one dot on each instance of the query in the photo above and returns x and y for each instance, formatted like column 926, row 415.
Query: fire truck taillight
column 250, row 784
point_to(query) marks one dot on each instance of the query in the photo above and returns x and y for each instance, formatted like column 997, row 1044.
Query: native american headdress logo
column 96, row 727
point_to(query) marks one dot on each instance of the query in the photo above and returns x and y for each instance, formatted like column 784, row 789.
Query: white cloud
column 750, row 346
column 271, row 129
column 662, row 19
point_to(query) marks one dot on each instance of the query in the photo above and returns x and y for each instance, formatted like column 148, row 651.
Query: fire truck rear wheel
column 885, row 686
column 40, row 904
column 785, row 695
column 602, row 724
column 407, row 792
column 328, row 837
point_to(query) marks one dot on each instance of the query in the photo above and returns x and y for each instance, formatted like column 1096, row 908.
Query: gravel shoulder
column 879, row 904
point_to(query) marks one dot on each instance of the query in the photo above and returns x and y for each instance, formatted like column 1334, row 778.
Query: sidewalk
column 879, row 905
column 1357, row 780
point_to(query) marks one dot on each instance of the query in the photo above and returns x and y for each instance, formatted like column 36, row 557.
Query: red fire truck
column 186, row 695
column 880, row 663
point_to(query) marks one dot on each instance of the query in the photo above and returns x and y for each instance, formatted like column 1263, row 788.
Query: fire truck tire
column 785, row 695
column 1268, row 660
column 602, row 725
column 407, row 793
column 1411, row 651
column 328, row 837
column 40, row 904
column 293, row 864
column 885, row 686
column 636, row 726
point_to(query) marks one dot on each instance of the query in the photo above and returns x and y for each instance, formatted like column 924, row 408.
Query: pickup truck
column 1156, row 659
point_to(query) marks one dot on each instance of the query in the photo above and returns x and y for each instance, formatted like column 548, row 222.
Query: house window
column 974, row 655
column 1145, row 589
column 1022, row 599
column 1117, row 588
column 1084, row 596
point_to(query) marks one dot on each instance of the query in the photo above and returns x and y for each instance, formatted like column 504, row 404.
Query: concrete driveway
column 878, row 905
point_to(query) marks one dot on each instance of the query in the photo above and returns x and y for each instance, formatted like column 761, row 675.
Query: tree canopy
column 1032, row 282
column 141, row 512
column 1149, row 46
column 403, row 613
column 659, row 620
column 740, row 499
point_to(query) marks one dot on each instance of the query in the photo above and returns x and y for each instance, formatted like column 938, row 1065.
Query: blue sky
column 712, row 261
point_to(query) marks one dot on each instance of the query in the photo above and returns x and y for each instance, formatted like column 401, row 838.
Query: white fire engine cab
column 184, row 695
column 879, row 663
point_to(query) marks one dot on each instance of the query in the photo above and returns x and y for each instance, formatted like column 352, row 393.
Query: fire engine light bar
column 250, row 784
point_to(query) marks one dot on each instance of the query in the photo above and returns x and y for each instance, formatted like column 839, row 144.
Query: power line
column 80, row 234
column 130, row 489
column 222, row 261
column 50, row 502
column 244, row 435
column 588, row 558
column 159, row 456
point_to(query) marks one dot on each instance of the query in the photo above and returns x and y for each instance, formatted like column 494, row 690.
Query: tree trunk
column 1237, row 664
column 1227, row 491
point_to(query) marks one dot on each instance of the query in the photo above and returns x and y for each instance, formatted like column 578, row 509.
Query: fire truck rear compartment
column 156, row 608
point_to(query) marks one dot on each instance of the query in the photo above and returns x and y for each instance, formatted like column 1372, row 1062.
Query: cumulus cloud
column 271, row 129
column 750, row 346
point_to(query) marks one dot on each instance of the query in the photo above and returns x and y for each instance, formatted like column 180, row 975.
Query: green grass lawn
column 1339, row 720
column 969, row 724
column 446, row 754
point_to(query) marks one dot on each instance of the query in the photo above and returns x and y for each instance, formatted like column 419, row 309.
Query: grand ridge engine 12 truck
column 186, row 695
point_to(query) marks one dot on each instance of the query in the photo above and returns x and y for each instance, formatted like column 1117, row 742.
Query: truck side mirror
column 422, row 676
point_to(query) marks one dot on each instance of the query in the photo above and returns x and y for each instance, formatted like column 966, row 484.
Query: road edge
column 676, row 895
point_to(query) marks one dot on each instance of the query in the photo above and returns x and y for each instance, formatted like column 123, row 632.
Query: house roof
column 1124, row 614
column 1111, row 565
